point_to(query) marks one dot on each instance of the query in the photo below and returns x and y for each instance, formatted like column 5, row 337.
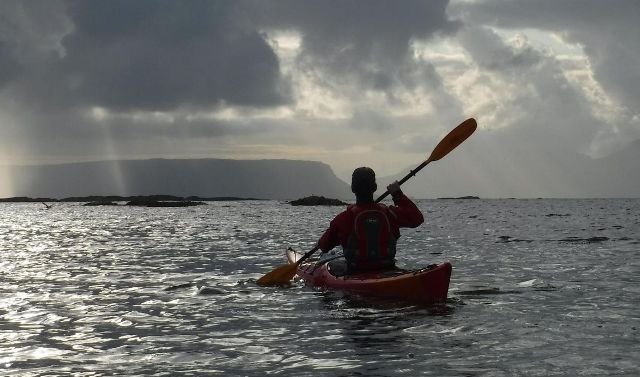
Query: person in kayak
column 368, row 231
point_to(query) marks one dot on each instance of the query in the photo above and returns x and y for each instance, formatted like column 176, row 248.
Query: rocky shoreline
column 137, row 201
column 161, row 200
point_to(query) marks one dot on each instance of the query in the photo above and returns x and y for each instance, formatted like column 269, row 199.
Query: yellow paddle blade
column 453, row 139
column 281, row 275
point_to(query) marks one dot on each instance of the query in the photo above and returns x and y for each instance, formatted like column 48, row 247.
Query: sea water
column 539, row 288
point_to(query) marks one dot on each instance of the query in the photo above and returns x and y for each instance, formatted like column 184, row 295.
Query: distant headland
column 205, row 178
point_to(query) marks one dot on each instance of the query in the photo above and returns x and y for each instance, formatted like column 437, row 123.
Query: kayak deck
column 426, row 285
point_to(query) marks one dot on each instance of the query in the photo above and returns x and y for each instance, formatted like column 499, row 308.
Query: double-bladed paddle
column 283, row 274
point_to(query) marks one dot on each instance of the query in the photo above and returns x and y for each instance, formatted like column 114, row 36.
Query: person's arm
column 407, row 213
column 329, row 238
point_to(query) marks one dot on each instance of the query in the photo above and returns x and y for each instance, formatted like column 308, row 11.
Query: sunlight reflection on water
column 546, row 287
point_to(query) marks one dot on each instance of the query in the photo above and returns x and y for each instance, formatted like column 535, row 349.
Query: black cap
column 363, row 181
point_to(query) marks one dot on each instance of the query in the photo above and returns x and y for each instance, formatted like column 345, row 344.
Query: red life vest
column 371, row 244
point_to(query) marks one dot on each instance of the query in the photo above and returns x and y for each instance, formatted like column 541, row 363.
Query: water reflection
column 376, row 329
column 122, row 291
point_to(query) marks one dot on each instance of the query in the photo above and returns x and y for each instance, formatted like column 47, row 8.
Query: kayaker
column 368, row 231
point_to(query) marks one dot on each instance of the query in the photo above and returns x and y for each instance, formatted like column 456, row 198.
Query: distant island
column 461, row 197
column 137, row 200
column 157, row 203
column 317, row 201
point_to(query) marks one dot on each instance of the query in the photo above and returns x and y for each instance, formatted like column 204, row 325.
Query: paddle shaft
column 444, row 147
column 406, row 178
column 307, row 255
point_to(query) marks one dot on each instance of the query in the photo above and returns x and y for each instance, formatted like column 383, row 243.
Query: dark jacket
column 347, row 230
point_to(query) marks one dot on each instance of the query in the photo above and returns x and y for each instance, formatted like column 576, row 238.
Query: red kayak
column 426, row 285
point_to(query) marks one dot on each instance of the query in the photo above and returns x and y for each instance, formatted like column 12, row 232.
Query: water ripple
column 545, row 287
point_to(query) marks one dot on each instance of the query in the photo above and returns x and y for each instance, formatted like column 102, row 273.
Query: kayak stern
column 426, row 285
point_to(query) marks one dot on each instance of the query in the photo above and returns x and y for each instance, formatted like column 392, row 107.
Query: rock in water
column 317, row 201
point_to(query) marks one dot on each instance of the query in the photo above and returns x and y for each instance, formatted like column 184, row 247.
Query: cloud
column 608, row 35
column 164, row 55
column 151, row 55
column 606, row 30
column 29, row 31
column 358, row 47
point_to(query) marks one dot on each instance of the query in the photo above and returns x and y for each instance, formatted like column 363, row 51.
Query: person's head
column 363, row 182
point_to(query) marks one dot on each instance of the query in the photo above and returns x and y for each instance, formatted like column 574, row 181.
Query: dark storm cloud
column 28, row 32
column 162, row 55
column 607, row 30
column 157, row 55
column 9, row 67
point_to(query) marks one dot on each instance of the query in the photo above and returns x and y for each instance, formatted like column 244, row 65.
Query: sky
column 348, row 83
